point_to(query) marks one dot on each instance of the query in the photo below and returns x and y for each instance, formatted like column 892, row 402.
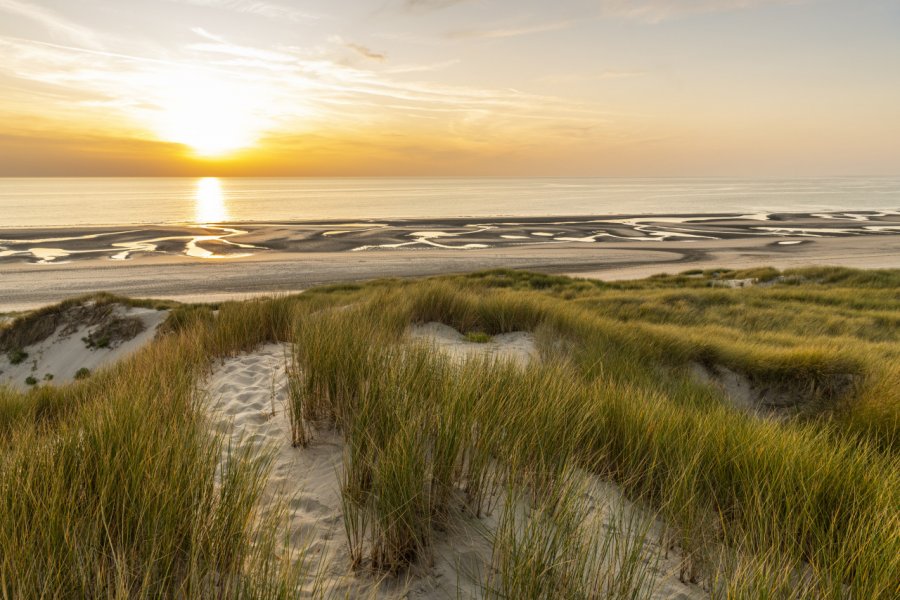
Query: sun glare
column 211, row 117
column 209, row 201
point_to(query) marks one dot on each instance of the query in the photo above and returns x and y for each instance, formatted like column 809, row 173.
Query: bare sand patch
column 518, row 346
column 770, row 399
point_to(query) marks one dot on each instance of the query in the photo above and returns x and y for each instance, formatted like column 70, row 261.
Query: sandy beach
column 191, row 263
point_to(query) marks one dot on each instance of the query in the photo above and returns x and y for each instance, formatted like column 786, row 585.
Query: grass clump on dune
column 556, row 546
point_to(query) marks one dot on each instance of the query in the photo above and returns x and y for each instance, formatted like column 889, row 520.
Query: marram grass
column 114, row 487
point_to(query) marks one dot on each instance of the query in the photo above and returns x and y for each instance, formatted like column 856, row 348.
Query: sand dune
column 248, row 402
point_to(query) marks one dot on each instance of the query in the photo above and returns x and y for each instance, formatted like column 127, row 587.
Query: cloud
column 367, row 52
column 52, row 21
column 219, row 45
column 205, row 34
column 656, row 11
column 576, row 78
column 508, row 32
column 260, row 8
column 291, row 90
column 426, row 5
column 438, row 66
column 363, row 51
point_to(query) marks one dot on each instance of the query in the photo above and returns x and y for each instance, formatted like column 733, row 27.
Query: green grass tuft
column 16, row 356
column 478, row 337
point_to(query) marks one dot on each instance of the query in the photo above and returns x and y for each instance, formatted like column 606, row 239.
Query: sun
column 212, row 117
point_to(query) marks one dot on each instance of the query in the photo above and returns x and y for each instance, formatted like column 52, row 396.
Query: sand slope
column 63, row 354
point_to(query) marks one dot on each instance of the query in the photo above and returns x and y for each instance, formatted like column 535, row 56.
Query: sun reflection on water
column 209, row 201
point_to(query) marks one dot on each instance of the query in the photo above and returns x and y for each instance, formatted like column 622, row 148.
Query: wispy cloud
column 366, row 52
column 655, row 11
column 359, row 49
column 579, row 78
column 52, row 21
column 339, row 89
column 205, row 34
column 413, row 68
column 269, row 10
column 426, row 5
column 219, row 45
column 287, row 89
column 507, row 32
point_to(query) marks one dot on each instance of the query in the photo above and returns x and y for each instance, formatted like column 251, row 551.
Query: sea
column 69, row 202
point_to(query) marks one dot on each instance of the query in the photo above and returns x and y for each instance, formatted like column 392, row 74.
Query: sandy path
column 248, row 396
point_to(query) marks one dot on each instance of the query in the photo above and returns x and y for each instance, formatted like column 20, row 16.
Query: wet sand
column 214, row 263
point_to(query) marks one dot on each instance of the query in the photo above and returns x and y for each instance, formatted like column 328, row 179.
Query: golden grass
column 112, row 486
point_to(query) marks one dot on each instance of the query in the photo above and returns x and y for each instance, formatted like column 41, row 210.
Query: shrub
column 16, row 356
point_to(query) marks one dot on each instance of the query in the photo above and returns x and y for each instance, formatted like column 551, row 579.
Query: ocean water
column 59, row 202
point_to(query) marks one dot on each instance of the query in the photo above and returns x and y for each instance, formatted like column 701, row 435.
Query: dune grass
column 112, row 486
column 558, row 546
column 793, row 492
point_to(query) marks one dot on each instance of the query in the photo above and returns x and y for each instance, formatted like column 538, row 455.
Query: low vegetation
column 114, row 331
column 114, row 486
column 478, row 337
column 17, row 356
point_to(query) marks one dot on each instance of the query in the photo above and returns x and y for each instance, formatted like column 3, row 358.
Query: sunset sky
column 450, row 87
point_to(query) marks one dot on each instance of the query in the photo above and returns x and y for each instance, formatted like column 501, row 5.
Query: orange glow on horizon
column 246, row 87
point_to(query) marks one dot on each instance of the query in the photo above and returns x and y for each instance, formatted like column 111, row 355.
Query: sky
column 624, row 88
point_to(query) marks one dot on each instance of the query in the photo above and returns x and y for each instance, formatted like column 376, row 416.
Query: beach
column 239, row 260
